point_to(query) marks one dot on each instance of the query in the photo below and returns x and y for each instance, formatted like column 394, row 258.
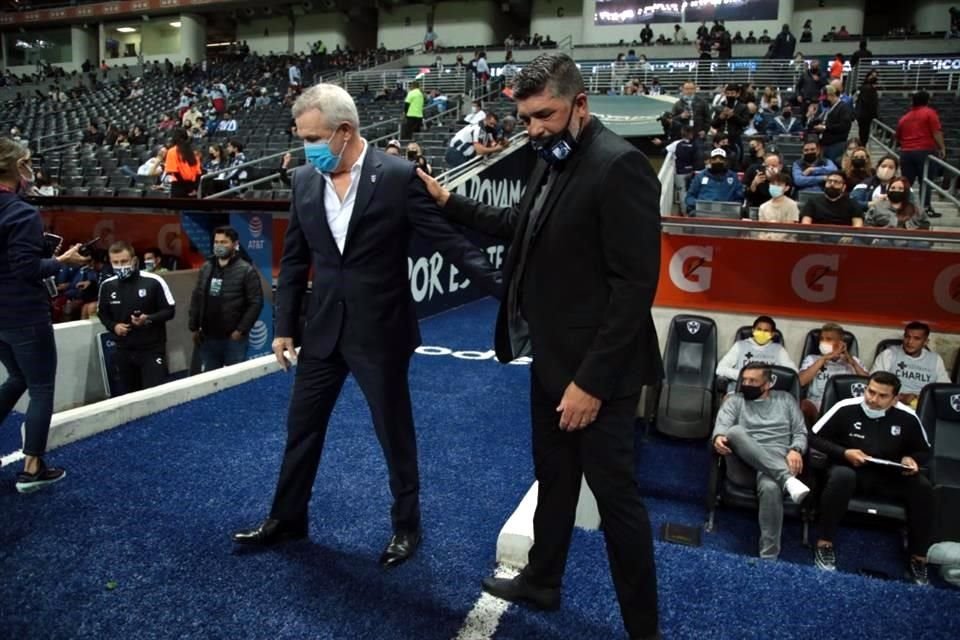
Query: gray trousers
column 770, row 463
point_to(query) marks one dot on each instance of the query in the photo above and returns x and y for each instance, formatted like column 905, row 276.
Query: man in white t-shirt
column 816, row 370
column 473, row 140
column 913, row 363
column 294, row 75
column 759, row 347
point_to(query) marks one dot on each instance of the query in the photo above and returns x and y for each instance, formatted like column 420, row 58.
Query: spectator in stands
column 858, row 435
column 430, row 39
column 646, row 35
column 237, row 158
column 867, row 105
column 779, row 207
column 135, row 306
column 811, row 170
column 473, row 140
column 834, row 126
column 679, row 34
column 874, row 189
column 225, row 303
column 476, row 115
column 153, row 261
column 834, row 206
column 692, row 110
column 394, row 148
column 294, row 75
column 784, row 44
column 413, row 112
column 182, row 165
column 765, row 38
column 914, row 364
column 218, row 95
column 757, row 177
column 137, row 137
column 920, row 135
column 715, row 184
column 764, row 429
column 228, row 124
column 857, row 167
column 166, row 122
column 816, row 370
column 92, row 135
column 836, row 67
column 896, row 211
column 842, row 32
column 861, row 53
column 655, row 89
column 732, row 117
column 263, row 99
column 688, row 158
column 153, row 166
column 190, row 116
column 785, row 123
column 415, row 155
column 810, row 83
column 759, row 347
column 216, row 159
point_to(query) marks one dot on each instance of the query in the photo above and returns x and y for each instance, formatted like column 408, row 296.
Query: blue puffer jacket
column 22, row 264
column 724, row 187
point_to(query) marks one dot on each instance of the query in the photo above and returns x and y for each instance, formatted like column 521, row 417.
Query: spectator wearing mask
column 810, row 84
column 759, row 347
column 834, row 207
column 135, row 306
column 692, row 110
column 811, row 170
column 732, row 116
column 896, row 211
column 473, row 140
column 755, row 153
column 763, row 429
column 816, row 370
column 834, row 126
column 415, row 155
column 182, row 165
column 857, row 167
column 153, row 261
column 913, row 363
column 920, row 135
column 393, row 148
column 757, row 176
column 779, row 207
column 717, row 183
column 687, row 156
column 228, row 124
column 867, row 105
column 413, row 114
column 236, row 160
column 225, row 303
column 27, row 347
column 785, row 124
column 857, row 435
column 874, row 189
column 137, row 137
column 476, row 115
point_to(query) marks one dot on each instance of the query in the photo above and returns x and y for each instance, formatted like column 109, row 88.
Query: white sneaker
column 797, row 490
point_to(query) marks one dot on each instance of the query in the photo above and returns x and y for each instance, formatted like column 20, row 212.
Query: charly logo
column 259, row 334
column 690, row 268
column 256, row 226
column 814, row 277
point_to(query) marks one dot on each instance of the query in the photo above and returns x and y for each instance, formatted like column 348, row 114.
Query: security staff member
column 135, row 306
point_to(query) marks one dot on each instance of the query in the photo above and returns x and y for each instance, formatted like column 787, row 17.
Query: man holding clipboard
column 875, row 445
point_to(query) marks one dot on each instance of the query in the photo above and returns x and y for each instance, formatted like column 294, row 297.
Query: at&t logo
column 256, row 226
column 258, row 335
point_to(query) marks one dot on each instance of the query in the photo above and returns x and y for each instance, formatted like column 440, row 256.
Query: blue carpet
column 135, row 542
column 10, row 433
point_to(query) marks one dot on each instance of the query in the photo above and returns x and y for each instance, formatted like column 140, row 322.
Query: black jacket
column 734, row 125
column 591, row 268
column 896, row 434
column 838, row 122
column 783, row 46
column 240, row 298
column 699, row 109
column 808, row 87
column 145, row 292
column 868, row 103
column 368, row 283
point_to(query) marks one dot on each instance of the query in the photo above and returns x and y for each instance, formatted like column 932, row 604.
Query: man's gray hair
column 332, row 101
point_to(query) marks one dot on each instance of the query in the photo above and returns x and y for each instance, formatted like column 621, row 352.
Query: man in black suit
column 352, row 211
column 580, row 276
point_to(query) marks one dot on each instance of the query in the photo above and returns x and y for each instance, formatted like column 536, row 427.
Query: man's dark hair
column 554, row 71
column 230, row 232
column 762, row 367
column 839, row 174
column 921, row 99
column 154, row 250
column 918, row 326
column 120, row 246
column 811, row 140
column 732, row 87
column 766, row 319
column 235, row 143
column 886, row 378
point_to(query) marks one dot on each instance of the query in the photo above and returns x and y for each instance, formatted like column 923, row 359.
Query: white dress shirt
column 339, row 212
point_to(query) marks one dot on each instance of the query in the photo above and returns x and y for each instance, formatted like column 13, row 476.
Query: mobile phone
column 52, row 243
column 86, row 247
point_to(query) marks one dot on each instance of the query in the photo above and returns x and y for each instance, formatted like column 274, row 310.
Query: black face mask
column 751, row 393
column 896, row 197
column 557, row 147
column 731, row 101
column 718, row 167
column 859, row 163
column 833, row 192
column 788, row 114
column 810, row 158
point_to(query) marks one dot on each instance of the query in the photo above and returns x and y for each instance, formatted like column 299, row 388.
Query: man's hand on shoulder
column 434, row 188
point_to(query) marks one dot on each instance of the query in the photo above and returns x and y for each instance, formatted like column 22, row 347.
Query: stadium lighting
column 175, row 24
column 126, row 30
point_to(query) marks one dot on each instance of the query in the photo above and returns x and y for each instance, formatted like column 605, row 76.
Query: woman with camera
column 27, row 347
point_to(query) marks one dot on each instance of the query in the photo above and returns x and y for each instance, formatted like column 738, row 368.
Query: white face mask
column 872, row 413
column 826, row 348
column 884, row 173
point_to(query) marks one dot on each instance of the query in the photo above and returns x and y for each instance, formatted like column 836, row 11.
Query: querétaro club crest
column 857, row 389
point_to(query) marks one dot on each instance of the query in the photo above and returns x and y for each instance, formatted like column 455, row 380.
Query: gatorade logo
column 946, row 289
column 690, row 268
column 814, row 277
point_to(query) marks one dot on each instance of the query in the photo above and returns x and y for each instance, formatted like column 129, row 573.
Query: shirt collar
column 357, row 166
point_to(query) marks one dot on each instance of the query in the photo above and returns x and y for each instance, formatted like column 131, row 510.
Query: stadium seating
column 939, row 411
column 685, row 406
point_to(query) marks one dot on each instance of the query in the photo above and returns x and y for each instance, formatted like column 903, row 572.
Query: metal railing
column 906, row 74
column 449, row 81
column 927, row 183
column 453, row 177
column 884, row 136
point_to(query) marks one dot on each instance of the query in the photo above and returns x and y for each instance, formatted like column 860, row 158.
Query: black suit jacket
column 591, row 271
column 361, row 299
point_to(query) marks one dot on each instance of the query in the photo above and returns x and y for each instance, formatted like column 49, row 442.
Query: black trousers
column 915, row 491
column 383, row 381
column 140, row 369
column 603, row 453
column 864, row 125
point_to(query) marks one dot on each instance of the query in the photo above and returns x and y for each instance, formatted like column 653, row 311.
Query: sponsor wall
column 255, row 231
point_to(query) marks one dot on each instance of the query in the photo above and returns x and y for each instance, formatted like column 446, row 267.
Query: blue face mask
column 776, row 190
column 321, row 156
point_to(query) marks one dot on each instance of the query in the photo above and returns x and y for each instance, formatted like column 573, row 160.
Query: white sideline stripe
column 484, row 618
column 83, row 422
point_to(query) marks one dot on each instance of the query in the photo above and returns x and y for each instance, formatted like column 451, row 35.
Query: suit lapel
column 313, row 210
column 370, row 175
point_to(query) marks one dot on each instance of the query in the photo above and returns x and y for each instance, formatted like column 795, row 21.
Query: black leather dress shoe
column 520, row 591
column 272, row 532
column 400, row 548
